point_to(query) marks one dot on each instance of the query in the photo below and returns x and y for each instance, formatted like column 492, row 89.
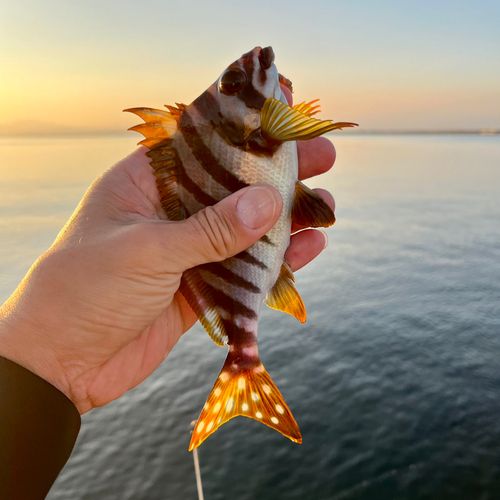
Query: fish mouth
column 266, row 57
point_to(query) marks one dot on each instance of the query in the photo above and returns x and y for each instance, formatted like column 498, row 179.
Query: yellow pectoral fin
column 309, row 209
column 283, row 296
column 307, row 108
column 283, row 123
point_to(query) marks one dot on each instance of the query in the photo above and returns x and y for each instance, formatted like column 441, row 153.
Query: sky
column 68, row 66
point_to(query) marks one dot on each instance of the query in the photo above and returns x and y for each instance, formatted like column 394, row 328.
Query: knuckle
column 216, row 230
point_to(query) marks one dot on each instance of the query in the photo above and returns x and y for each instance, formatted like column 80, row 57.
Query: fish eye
column 232, row 81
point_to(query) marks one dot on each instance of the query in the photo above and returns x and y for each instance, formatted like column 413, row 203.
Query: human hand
column 100, row 310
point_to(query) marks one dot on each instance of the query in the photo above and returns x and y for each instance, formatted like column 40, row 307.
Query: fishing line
column 197, row 467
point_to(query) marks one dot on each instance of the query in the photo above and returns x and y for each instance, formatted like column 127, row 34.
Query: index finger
column 316, row 157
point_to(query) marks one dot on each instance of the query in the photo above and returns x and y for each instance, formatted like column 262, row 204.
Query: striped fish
column 239, row 132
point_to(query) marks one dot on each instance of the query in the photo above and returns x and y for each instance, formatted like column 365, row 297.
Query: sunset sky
column 388, row 65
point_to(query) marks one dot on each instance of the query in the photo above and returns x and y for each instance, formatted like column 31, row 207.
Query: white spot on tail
column 274, row 420
column 217, row 391
column 255, row 396
column 241, row 383
column 258, row 414
column 280, row 409
column 259, row 369
column 224, row 376
column 229, row 404
column 217, row 407
column 206, row 406
column 200, row 426
column 244, row 407
column 210, row 425
column 251, row 352
column 266, row 388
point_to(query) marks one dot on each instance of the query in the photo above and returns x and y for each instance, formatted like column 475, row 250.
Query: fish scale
column 238, row 133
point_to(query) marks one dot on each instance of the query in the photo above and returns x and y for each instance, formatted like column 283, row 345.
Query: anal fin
column 283, row 296
column 309, row 209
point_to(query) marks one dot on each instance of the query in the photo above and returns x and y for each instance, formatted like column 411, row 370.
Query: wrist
column 24, row 344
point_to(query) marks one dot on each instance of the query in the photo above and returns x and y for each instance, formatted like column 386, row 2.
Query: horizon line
column 107, row 132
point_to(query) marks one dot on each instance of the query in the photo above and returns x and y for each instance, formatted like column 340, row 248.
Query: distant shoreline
column 426, row 132
column 107, row 133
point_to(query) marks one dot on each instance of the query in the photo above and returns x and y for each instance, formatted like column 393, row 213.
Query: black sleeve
column 38, row 429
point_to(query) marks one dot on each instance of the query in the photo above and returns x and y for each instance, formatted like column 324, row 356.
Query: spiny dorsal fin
column 247, row 391
column 283, row 296
column 158, row 130
column 283, row 123
column 159, row 125
column 164, row 162
column 309, row 209
column 176, row 111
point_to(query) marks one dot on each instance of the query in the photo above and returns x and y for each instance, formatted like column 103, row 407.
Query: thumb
column 225, row 229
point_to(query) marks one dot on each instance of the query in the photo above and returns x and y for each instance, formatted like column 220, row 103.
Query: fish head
column 232, row 104
column 244, row 86
column 251, row 80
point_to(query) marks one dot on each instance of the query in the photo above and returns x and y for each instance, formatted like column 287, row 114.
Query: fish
column 239, row 132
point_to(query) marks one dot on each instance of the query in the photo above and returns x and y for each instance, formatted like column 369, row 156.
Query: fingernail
column 326, row 239
column 256, row 207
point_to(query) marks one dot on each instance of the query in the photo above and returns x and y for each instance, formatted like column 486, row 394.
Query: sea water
column 395, row 378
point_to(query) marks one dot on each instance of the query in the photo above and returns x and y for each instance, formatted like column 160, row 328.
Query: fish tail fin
column 247, row 391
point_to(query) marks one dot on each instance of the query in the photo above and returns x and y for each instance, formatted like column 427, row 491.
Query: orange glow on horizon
column 384, row 68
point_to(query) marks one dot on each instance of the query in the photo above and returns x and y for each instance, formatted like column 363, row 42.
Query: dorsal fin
column 309, row 209
column 165, row 166
column 159, row 125
column 176, row 111
column 283, row 296
column 159, row 128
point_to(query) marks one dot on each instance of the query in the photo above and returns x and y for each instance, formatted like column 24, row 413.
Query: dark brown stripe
column 229, row 304
column 250, row 95
column 266, row 239
column 228, row 276
column 208, row 106
column 189, row 185
column 249, row 259
column 162, row 151
column 235, row 333
column 205, row 158
column 230, row 325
